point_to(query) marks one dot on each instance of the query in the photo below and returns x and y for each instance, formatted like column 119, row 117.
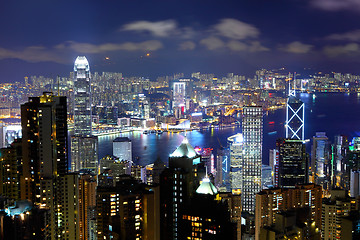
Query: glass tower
column 252, row 129
column 82, row 97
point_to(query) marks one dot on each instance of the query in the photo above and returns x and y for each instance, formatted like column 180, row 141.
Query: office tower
column 82, row 97
column 295, row 116
column 274, row 164
column 122, row 148
column 117, row 167
column 266, row 176
column 112, row 114
column 336, row 207
column 320, row 159
column 130, row 210
column 139, row 173
column 236, row 162
column 84, row 153
column 178, row 184
column 44, row 142
column 293, row 163
column 339, row 150
column 179, row 94
column 223, row 169
column 252, row 129
column 272, row 201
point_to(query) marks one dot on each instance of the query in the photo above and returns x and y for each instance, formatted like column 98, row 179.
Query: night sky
column 154, row 38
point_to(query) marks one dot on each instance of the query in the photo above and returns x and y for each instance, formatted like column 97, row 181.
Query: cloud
column 353, row 36
column 333, row 51
column 187, row 45
column 159, row 29
column 151, row 45
column 237, row 46
column 235, row 29
column 296, row 47
column 61, row 53
column 257, row 47
column 33, row 54
column 336, row 5
column 212, row 43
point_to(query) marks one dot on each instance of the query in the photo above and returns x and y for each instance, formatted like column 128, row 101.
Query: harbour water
column 333, row 113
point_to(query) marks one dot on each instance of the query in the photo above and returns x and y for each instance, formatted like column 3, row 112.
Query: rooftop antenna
column 292, row 91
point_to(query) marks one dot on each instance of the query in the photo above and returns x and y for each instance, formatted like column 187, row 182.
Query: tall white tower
column 82, row 97
column 252, row 129
column 295, row 115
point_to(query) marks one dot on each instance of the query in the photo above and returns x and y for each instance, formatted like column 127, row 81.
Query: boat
column 152, row 131
column 145, row 132
column 159, row 131
column 271, row 133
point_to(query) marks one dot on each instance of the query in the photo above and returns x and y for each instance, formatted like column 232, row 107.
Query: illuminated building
column 236, row 162
column 339, row 150
column 205, row 216
column 87, row 204
column 354, row 183
column 115, row 167
column 83, row 145
column 320, row 159
column 350, row 226
column 252, row 130
column 44, row 142
column 274, row 164
column 293, row 163
column 179, row 94
column 84, row 153
column 122, row 148
column 234, row 206
column 266, row 177
column 9, row 173
column 336, row 207
column 178, row 184
column 128, row 211
column 223, row 169
column 295, row 116
column 269, row 202
column 82, row 97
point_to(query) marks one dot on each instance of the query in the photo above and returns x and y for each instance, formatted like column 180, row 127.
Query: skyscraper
column 295, row 116
column 236, row 162
column 252, row 129
column 293, row 163
column 84, row 154
column 82, row 97
column 320, row 159
column 122, row 148
column 179, row 94
column 44, row 131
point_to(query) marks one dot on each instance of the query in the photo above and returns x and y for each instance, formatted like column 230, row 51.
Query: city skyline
column 156, row 38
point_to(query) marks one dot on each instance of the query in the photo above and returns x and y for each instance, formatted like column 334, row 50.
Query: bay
column 333, row 113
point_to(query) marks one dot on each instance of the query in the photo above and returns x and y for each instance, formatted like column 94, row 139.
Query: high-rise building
column 320, row 159
column 336, row 207
column 339, row 151
column 44, row 176
column 130, row 210
column 269, row 202
column 44, row 142
column 178, row 184
column 252, row 129
column 293, row 163
column 179, row 94
column 295, row 119
column 236, row 162
column 122, row 148
column 223, row 169
column 84, row 154
column 274, row 164
column 82, row 97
